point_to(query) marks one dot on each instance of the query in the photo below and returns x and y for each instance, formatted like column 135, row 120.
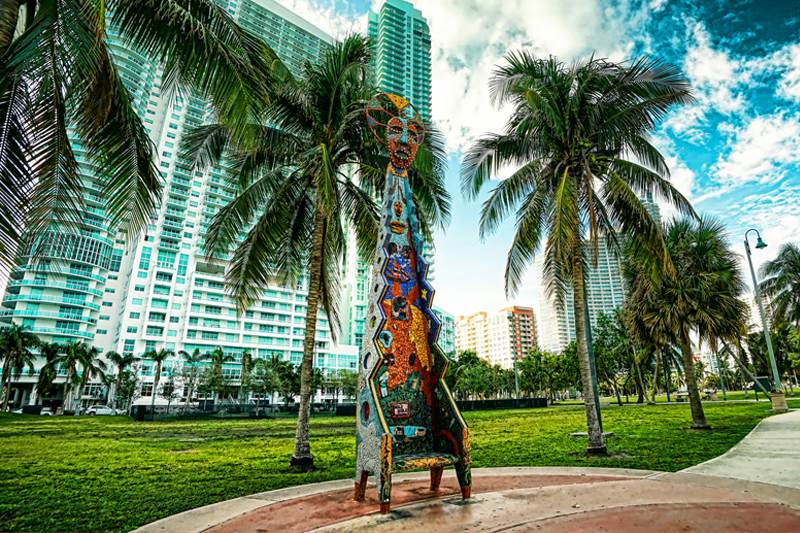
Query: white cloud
column 789, row 85
column 761, row 150
column 718, row 80
column 470, row 37
column 327, row 16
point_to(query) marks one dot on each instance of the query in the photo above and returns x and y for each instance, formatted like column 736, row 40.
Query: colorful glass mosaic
column 407, row 418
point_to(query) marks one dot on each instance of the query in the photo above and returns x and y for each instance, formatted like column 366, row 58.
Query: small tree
column 264, row 380
column 348, row 380
column 170, row 392
column 127, row 388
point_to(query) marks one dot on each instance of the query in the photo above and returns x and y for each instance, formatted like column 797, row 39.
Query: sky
column 735, row 152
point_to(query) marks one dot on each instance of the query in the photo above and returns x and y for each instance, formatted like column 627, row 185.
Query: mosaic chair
column 406, row 416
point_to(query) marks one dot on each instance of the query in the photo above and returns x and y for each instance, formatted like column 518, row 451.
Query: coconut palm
column 49, row 351
column 122, row 362
column 702, row 296
column 781, row 284
column 56, row 74
column 16, row 343
column 297, row 193
column 578, row 141
column 69, row 358
column 92, row 366
column 158, row 358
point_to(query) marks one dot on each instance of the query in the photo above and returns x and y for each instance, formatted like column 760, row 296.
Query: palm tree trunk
column 6, row 386
column 302, row 458
column 596, row 444
column 156, row 377
column 640, row 388
column 698, row 416
column 655, row 380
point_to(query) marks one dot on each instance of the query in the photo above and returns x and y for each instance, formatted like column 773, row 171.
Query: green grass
column 114, row 474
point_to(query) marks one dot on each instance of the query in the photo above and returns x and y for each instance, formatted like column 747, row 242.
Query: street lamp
column 777, row 397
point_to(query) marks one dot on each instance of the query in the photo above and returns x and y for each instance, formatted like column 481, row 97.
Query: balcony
column 49, row 299
column 43, row 314
column 55, row 285
column 65, row 332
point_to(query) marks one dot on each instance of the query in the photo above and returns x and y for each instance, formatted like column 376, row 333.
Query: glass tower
column 401, row 43
column 161, row 291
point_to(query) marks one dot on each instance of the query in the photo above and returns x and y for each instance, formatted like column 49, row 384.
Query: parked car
column 46, row 411
column 100, row 410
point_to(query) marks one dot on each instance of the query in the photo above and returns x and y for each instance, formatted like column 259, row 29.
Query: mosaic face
column 404, row 130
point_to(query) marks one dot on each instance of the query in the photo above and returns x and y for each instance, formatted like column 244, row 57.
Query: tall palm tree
column 16, row 343
column 297, row 193
column 93, row 366
column 247, row 366
column 56, row 73
column 578, row 139
column 69, row 358
column 49, row 371
column 781, row 284
column 158, row 358
column 122, row 362
column 701, row 296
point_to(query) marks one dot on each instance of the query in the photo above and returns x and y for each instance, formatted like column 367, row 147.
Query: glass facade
column 401, row 42
column 161, row 291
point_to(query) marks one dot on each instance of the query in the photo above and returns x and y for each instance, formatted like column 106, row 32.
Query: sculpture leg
column 360, row 489
column 436, row 477
column 385, row 492
column 464, row 474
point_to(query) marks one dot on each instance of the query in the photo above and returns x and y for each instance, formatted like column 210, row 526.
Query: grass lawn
column 114, row 474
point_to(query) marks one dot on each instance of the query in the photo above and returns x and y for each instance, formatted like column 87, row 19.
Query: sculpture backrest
column 403, row 331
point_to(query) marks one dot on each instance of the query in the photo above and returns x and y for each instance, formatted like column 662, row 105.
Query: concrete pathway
column 725, row 494
column 769, row 454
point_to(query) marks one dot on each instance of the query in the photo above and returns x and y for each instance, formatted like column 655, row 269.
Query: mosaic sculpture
column 406, row 416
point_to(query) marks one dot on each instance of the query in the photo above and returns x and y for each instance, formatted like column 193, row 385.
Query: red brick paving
column 318, row 510
column 752, row 517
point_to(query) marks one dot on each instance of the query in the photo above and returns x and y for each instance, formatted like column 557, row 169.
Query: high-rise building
column 401, row 44
column 162, row 292
column 605, row 293
column 498, row 338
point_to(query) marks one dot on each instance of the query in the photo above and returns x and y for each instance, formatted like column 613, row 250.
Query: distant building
column 447, row 332
column 401, row 43
column 498, row 338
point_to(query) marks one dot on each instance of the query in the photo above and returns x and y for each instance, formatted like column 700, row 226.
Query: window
column 155, row 330
column 132, row 329
column 134, row 314
column 147, row 389
column 139, row 288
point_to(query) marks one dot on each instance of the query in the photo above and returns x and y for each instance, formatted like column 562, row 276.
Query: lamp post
column 777, row 397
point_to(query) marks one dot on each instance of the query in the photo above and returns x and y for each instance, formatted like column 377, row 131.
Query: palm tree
column 93, row 366
column 50, row 351
column 781, row 284
column 217, row 379
column 69, row 358
column 158, row 358
column 578, row 138
column 702, row 295
column 191, row 360
column 15, row 347
column 297, row 194
column 247, row 366
column 121, row 362
column 57, row 72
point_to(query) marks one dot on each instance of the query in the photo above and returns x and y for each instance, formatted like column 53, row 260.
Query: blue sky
column 735, row 152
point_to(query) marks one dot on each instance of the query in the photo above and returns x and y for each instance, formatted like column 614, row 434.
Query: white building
column 161, row 292
column 498, row 338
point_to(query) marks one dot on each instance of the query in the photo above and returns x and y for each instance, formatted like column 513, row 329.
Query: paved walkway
column 540, row 499
column 769, row 454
